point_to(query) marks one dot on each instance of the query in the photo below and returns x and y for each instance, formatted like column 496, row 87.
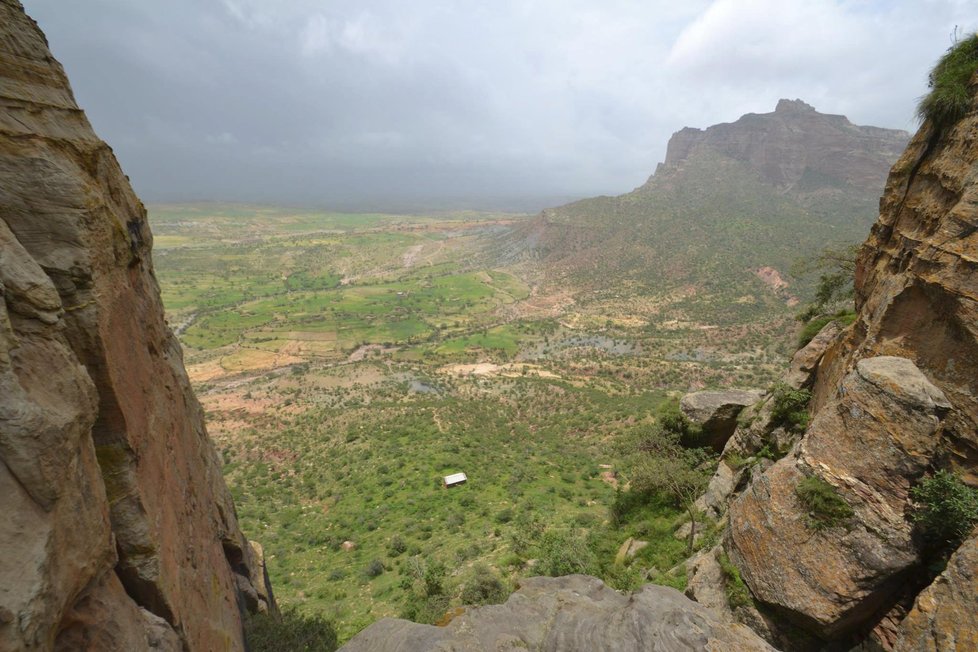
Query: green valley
column 348, row 362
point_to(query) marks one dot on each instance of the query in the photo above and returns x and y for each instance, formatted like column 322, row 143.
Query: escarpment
column 892, row 401
column 118, row 532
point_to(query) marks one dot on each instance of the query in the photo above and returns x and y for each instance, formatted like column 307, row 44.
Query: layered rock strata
column 117, row 530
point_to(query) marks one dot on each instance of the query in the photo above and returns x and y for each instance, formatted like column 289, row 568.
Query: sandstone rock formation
column 831, row 581
column 575, row 612
column 893, row 399
column 943, row 617
column 118, row 532
column 716, row 412
column 796, row 146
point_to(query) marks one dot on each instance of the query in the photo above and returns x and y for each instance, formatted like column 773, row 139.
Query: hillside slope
column 727, row 202
column 118, row 532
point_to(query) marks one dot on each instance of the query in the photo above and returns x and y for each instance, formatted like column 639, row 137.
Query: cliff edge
column 118, row 532
column 825, row 538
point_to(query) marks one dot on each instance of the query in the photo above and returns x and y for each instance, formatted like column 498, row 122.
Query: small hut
column 455, row 479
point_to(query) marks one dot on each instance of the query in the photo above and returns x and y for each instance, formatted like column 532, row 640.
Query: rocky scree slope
column 116, row 528
column 893, row 399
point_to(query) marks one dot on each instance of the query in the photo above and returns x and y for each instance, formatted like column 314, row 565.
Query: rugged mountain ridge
column 727, row 202
column 893, row 399
column 797, row 148
column 118, row 531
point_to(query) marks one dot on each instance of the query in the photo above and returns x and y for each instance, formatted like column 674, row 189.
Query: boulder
column 574, row 612
column 804, row 364
column 871, row 445
column 716, row 413
column 943, row 616
column 706, row 582
column 714, row 500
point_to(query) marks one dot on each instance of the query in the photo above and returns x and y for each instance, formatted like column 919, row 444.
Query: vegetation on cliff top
column 949, row 81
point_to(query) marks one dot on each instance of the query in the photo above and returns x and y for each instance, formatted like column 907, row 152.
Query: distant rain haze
column 503, row 104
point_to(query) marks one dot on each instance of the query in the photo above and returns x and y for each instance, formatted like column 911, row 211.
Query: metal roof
column 455, row 478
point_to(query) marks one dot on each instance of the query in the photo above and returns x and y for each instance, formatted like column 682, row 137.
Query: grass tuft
column 826, row 507
column 950, row 96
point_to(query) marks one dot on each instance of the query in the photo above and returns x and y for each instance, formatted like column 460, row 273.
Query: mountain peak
column 797, row 147
column 793, row 106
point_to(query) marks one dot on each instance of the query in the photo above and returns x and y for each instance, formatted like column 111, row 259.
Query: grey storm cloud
column 387, row 103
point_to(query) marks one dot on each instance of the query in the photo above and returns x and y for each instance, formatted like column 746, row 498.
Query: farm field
column 347, row 362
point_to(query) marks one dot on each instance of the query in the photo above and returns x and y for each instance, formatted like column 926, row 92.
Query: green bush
column 289, row 631
column 826, row 508
column 674, row 422
column 790, row 407
column 738, row 595
column 504, row 515
column 397, row 546
column 945, row 510
column 483, row 587
column 563, row 553
column 949, row 96
column 374, row 569
column 813, row 327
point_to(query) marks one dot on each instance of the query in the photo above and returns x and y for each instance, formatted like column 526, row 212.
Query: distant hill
column 727, row 212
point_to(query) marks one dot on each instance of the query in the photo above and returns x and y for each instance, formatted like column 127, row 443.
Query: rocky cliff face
column 118, row 532
column 797, row 147
column 893, row 399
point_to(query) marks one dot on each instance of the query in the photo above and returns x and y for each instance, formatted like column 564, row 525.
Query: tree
column 658, row 463
column 836, row 266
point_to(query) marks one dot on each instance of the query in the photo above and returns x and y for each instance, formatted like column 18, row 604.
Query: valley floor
column 348, row 362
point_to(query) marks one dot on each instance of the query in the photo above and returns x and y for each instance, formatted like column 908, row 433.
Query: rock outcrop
column 893, row 398
column 118, row 532
column 575, row 612
column 832, row 580
column 796, row 146
column 716, row 413
column 943, row 616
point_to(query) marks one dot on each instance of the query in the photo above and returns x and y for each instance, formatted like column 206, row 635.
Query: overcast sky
column 388, row 102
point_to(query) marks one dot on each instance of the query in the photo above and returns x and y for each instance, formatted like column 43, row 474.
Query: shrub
column 738, row 595
column 484, row 587
column 374, row 568
column 565, row 554
column 505, row 515
column 674, row 422
column 945, row 510
column 813, row 327
column 336, row 575
column 427, row 609
column 949, row 99
column 434, row 578
column 790, row 407
column 826, row 508
column 289, row 631
column 396, row 546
